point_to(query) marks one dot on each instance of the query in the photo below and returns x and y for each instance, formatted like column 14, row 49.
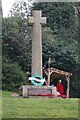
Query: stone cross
column 37, row 21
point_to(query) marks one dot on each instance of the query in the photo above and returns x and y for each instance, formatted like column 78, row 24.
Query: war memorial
column 37, row 89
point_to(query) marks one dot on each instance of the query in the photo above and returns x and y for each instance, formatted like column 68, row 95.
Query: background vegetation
column 59, row 41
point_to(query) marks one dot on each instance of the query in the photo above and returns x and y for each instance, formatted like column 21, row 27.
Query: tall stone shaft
column 37, row 21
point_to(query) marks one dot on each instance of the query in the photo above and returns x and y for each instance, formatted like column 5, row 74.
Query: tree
column 77, row 8
column 1, row 14
column 48, row 43
column 21, row 9
column 17, row 41
column 62, row 20
column 12, row 75
column 59, row 38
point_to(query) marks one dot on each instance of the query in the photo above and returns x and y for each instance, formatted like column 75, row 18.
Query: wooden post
column 49, row 74
column 68, row 82
column 48, row 77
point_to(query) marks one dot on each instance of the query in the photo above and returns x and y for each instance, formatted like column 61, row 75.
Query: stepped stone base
column 28, row 91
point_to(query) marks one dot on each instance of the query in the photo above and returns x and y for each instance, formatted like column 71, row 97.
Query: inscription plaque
column 41, row 91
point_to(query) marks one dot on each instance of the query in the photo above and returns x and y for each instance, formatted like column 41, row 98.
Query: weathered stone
column 37, row 21
column 27, row 91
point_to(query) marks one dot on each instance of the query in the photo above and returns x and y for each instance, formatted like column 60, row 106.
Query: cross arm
column 43, row 21
column 30, row 20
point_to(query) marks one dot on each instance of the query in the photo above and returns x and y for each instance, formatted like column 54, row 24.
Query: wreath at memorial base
column 37, row 80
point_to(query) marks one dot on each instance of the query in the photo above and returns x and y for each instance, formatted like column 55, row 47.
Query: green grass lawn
column 38, row 107
column 0, row 104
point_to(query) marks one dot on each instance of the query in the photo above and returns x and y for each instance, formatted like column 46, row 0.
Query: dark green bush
column 12, row 76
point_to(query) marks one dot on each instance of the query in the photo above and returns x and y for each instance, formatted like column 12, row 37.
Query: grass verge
column 38, row 107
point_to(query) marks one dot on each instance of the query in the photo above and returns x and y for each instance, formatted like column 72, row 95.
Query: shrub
column 12, row 76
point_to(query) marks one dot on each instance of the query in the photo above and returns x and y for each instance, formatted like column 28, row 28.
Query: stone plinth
column 27, row 91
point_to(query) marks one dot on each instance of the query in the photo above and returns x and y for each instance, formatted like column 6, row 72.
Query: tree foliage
column 15, row 39
column 13, row 76
column 59, row 38
column 63, row 21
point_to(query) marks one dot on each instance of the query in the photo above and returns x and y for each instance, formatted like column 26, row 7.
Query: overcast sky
column 6, row 5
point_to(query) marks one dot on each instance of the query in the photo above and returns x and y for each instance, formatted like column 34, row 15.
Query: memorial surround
column 47, row 91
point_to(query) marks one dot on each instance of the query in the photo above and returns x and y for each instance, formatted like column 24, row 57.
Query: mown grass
column 0, row 104
column 38, row 107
